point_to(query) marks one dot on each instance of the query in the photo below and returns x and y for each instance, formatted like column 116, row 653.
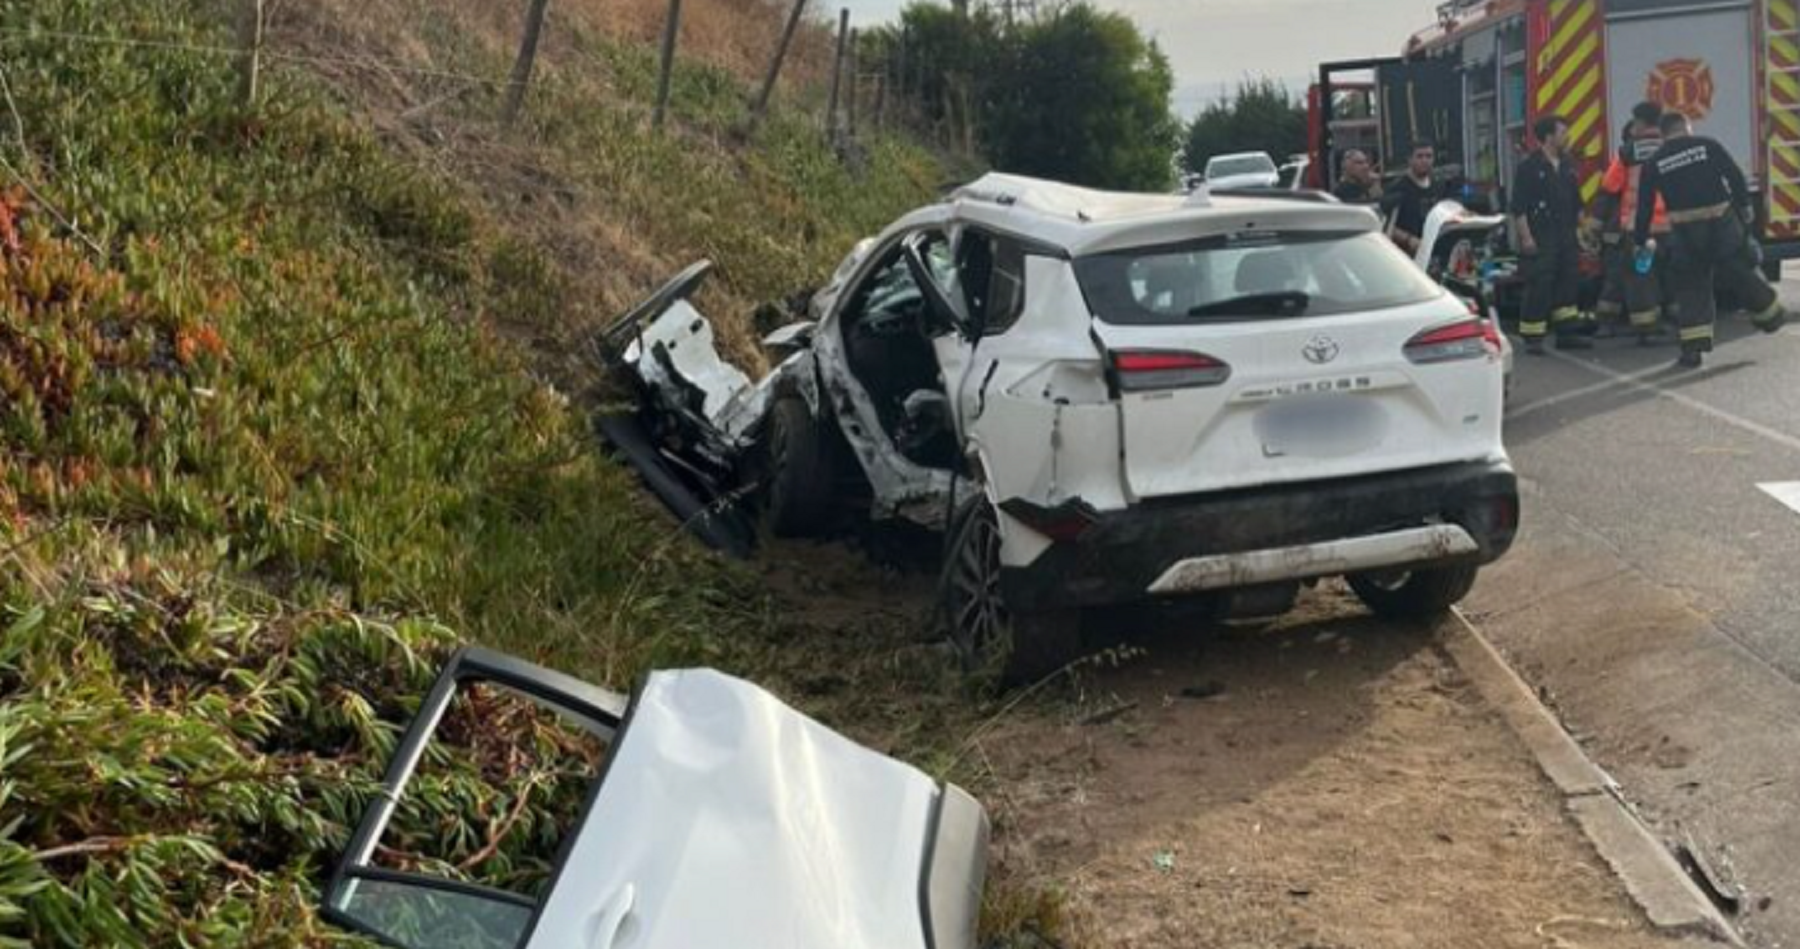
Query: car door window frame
column 604, row 714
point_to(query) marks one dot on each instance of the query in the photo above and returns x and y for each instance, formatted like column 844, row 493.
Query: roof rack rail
column 1307, row 195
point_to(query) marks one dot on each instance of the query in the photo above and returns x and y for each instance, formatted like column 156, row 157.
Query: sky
column 1214, row 43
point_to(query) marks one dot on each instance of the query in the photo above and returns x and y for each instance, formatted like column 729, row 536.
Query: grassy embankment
column 276, row 432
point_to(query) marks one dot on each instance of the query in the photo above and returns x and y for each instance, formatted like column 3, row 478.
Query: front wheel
column 993, row 639
column 797, row 502
column 1413, row 594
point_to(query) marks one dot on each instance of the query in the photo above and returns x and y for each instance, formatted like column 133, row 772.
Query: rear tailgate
column 1287, row 413
column 1289, row 358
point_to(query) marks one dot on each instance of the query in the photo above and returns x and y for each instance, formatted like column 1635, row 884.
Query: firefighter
column 1709, row 213
column 1628, row 293
column 1546, row 203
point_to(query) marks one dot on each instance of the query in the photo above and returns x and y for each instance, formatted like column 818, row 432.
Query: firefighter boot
column 1772, row 319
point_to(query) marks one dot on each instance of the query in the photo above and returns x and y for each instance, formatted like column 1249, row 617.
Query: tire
column 797, row 501
column 1771, row 269
column 1413, row 594
column 994, row 641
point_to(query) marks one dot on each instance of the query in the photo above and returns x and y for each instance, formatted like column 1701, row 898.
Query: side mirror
column 945, row 308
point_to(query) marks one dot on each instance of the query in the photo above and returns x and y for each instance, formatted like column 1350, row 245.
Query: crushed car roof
column 1087, row 221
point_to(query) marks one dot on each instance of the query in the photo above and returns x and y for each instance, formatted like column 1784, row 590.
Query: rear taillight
column 1065, row 523
column 1139, row 370
column 1469, row 339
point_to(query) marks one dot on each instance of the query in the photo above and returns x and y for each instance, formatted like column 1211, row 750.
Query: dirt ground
column 1328, row 781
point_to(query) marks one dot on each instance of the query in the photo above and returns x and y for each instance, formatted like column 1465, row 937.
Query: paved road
column 1655, row 594
column 1667, row 466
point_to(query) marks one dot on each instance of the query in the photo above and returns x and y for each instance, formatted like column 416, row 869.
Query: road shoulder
column 1703, row 737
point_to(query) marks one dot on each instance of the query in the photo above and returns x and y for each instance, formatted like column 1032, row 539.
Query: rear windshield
column 1248, row 165
column 1253, row 276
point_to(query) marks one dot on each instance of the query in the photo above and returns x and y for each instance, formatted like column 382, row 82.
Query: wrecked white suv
column 1104, row 398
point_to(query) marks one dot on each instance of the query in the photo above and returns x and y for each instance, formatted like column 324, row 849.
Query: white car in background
column 1242, row 170
column 1105, row 399
column 716, row 816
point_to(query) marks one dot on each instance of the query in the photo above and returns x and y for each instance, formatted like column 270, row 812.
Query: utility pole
column 671, row 31
column 522, row 67
column 781, row 51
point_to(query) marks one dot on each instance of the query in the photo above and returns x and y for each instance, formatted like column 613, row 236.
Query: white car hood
column 727, row 819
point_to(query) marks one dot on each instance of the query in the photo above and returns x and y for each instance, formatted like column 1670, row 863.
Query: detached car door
column 718, row 817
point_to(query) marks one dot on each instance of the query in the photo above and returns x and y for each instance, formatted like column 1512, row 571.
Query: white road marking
column 1787, row 492
column 1550, row 402
column 1687, row 401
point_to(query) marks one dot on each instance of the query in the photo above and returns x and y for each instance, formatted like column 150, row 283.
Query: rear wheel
column 992, row 638
column 797, row 502
column 1413, row 594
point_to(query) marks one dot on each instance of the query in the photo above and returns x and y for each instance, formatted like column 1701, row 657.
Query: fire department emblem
column 1684, row 86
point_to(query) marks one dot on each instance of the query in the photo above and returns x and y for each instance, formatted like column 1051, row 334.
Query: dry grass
column 582, row 182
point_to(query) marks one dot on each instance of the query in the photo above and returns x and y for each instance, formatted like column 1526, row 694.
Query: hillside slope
column 270, row 445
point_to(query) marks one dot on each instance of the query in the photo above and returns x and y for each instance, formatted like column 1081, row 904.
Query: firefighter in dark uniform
column 1627, row 293
column 1546, row 206
column 1709, row 238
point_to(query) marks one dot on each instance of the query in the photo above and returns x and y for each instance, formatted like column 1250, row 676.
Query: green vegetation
column 1262, row 117
column 268, row 449
column 1076, row 94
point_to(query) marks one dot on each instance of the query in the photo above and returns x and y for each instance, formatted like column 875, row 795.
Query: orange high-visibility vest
column 1622, row 180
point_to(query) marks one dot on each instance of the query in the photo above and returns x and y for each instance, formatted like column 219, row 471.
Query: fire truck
column 1474, row 81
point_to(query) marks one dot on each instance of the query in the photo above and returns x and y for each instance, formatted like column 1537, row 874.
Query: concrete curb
column 1670, row 900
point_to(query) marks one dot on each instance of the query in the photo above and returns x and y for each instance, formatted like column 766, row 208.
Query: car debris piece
column 719, row 817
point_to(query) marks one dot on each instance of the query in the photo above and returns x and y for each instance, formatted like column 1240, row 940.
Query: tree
column 1079, row 95
column 1261, row 117
column 1075, row 94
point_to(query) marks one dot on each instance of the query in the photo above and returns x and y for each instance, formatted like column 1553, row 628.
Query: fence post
column 250, row 41
column 523, row 66
column 903, row 88
column 671, row 30
column 852, row 87
column 781, row 51
column 837, row 71
column 883, row 77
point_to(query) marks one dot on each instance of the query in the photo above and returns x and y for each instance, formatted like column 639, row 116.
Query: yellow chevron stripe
column 1784, row 164
column 1588, row 121
column 1785, row 85
column 1783, row 14
column 1789, row 122
column 1582, row 58
column 1572, row 26
column 1789, row 200
column 1787, row 49
column 1574, row 98
column 1564, row 26
column 1590, row 187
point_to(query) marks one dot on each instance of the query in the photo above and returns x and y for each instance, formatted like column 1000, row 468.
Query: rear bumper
column 1454, row 514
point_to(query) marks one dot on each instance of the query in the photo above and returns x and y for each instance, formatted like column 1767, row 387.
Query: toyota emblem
column 1320, row 350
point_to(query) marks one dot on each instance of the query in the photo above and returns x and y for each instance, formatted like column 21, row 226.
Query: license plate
column 1329, row 426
